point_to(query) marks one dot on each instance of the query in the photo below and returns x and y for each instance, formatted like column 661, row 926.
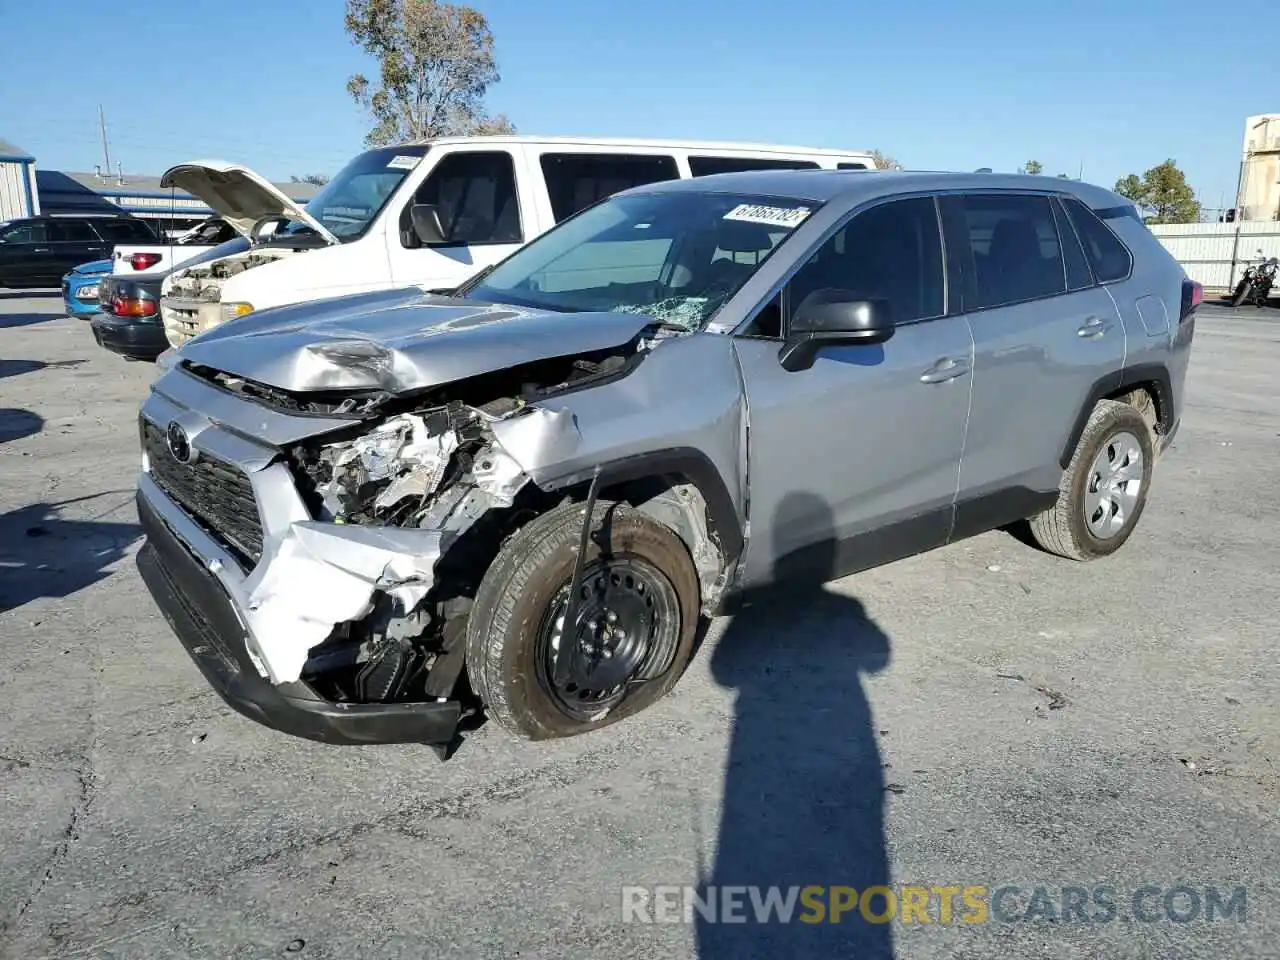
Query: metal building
column 18, row 196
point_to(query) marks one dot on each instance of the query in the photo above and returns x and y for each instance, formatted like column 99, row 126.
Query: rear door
column 1044, row 332
column 73, row 242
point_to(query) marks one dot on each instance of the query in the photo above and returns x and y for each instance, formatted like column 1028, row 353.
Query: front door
column 854, row 461
column 25, row 254
column 482, row 217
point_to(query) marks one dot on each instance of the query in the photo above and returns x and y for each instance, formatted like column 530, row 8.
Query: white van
column 429, row 214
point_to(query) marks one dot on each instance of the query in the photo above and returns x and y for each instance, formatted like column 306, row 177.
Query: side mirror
column 426, row 224
column 829, row 318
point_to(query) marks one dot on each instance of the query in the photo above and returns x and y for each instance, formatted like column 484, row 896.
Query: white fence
column 1205, row 249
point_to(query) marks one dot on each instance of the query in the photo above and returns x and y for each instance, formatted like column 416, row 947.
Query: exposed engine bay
column 369, row 601
column 204, row 282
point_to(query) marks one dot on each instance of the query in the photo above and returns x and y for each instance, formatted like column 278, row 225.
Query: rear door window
column 1108, row 256
column 125, row 231
column 1013, row 242
column 576, row 181
column 475, row 196
column 707, row 166
column 72, row 231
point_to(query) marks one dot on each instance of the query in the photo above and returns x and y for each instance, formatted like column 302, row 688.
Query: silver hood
column 398, row 340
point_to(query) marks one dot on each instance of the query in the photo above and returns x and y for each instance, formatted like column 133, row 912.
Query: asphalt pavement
column 1060, row 735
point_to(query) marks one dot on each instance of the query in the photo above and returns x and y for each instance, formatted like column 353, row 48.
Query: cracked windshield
column 676, row 257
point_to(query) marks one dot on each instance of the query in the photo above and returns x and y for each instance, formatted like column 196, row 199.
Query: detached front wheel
column 632, row 633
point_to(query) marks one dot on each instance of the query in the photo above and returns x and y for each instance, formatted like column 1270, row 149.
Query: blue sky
column 1114, row 86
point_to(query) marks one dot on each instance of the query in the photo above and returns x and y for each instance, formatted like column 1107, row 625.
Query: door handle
column 40, row 250
column 948, row 368
column 1093, row 327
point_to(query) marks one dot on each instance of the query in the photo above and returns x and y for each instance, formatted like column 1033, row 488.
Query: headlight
column 86, row 293
column 233, row 311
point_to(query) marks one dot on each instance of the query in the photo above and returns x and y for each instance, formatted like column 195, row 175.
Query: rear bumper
column 143, row 340
column 206, row 621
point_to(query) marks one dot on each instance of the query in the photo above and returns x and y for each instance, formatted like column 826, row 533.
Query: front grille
column 182, row 319
column 215, row 493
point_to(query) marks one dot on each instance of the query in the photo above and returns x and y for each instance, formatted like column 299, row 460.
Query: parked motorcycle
column 1255, row 285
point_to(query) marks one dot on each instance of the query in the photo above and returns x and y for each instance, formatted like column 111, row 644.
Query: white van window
column 707, row 166
column 576, row 181
column 851, row 166
column 351, row 201
column 475, row 197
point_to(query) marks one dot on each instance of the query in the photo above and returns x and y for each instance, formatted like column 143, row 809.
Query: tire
column 1065, row 529
column 510, row 630
column 1241, row 294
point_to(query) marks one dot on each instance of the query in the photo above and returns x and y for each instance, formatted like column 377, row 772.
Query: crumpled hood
column 398, row 340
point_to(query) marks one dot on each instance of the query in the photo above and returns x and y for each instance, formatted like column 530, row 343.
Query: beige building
column 1259, row 196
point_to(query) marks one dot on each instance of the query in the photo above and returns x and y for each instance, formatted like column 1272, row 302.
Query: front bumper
column 130, row 337
column 75, row 306
column 177, row 569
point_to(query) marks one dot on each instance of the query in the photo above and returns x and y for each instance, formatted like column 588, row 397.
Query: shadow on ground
column 43, row 555
column 16, row 424
column 26, row 319
column 804, row 788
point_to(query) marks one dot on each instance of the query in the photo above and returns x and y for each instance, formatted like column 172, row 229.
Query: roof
column 854, row 186
column 646, row 143
column 13, row 151
column 136, row 184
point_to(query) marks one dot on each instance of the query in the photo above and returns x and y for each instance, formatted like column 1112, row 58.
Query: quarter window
column 475, row 197
column 707, row 166
column 892, row 251
column 576, row 181
column 1109, row 257
column 1015, row 248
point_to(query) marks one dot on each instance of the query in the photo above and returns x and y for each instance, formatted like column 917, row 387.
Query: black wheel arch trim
column 1134, row 376
column 689, row 462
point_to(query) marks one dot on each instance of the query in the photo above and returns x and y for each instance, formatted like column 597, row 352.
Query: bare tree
column 435, row 63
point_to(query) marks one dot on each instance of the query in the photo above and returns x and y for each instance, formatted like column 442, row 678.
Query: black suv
column 37, row 251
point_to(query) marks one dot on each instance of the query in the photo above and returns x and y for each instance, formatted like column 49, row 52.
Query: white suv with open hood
column 429, row 214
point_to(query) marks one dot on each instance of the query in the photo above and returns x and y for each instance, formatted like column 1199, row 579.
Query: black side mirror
column 828, row 318
column 426, row 224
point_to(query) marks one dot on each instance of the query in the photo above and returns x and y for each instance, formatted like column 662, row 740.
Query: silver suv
column 370, row 516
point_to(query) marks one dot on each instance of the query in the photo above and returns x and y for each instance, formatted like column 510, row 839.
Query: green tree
column 1162, row 194
column 884, row 161
column 1033, row 167
column 435, row 64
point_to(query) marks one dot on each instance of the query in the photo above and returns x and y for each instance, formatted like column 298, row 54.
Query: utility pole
column 106, row 153
column 1235, row 242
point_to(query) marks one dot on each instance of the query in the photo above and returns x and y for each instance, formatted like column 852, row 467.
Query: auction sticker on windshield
column 402, row 163
column 774, row 216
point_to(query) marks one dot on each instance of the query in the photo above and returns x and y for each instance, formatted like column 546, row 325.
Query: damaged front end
column 191, row 298
column 375, row 518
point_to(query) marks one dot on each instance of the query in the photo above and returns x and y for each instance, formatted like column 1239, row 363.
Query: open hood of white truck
column 238, row 195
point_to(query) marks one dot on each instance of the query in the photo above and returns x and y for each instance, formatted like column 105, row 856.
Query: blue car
column 80, row 288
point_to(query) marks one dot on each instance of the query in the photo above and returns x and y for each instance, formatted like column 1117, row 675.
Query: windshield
column 348, row 203
column 676, row 256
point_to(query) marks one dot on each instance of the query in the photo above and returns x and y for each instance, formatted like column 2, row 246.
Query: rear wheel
column 1104, row 488
column 632, row 634
column 1241, row 294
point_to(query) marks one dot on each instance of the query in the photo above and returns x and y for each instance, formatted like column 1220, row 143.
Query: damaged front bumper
column 188, row 575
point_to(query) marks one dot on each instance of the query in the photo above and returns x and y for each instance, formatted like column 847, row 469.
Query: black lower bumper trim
column 202, row 616
column 142, row 340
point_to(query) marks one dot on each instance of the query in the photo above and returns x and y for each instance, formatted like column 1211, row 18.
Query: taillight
column 144, row 261
column 1192, row 297
column 133, row 307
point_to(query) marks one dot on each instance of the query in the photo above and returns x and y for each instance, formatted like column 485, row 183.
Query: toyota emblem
column 178, row 442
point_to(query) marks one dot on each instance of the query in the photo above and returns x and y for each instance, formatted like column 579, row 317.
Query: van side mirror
column 829, row 318
column 426, row 224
